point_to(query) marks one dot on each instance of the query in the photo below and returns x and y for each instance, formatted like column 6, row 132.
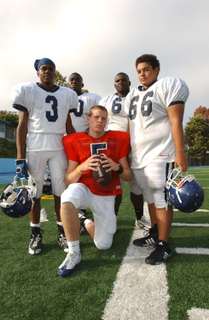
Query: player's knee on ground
column 104, row 244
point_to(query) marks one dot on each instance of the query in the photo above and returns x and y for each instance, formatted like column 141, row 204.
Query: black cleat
column 160, row 254
column 61, row 238
column 82, row 218
column 150, row 239
column 35, row 241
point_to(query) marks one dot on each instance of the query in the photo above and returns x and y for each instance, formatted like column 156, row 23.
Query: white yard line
column 192, row 250
column 140, row 291
column 199, row 210
column 198, row 314
column 176, row 224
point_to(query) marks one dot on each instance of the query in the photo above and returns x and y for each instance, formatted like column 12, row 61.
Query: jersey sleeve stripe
column 176, row 102
column 19, row 107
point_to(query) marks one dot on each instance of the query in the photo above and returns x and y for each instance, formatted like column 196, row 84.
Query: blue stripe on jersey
column 176, row 102
column 54, row 89
column 19, row 107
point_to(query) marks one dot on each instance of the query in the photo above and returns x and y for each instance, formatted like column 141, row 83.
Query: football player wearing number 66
column 43, row 120
column 155, row 111
column 92, row 155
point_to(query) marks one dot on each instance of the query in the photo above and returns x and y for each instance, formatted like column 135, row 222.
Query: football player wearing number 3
column 155, row 112
column 43, row 120
column 84, row 187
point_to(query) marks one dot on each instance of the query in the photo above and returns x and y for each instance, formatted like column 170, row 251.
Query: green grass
column 30, row 288
column 188, row 274
column 30, row 285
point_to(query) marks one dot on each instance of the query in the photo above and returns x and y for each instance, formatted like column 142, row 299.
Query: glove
column 21, row 168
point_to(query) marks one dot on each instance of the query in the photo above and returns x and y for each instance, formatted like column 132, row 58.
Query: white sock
column 59, row 223
column 86, row 222
column 74, row 246
column 35, row 225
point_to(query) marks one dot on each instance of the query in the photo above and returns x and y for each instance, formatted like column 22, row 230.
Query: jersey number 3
column 52, row 116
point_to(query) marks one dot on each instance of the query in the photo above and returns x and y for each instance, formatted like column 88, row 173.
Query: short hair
column 77, row 74
column 150, row 59
column 122, row 73
column 95, row 108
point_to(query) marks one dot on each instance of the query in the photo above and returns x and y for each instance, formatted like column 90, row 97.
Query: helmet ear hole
column 184, row 192
column 17, row 201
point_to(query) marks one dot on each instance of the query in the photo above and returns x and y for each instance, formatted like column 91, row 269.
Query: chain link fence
column 195, row 162
column 10, row 133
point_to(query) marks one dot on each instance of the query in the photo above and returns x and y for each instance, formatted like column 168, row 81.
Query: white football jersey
column 117, row 117
column 47, row 113
column 150, row 128
column 79, row 117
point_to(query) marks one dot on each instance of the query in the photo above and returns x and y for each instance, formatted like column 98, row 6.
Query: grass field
column 30, row 288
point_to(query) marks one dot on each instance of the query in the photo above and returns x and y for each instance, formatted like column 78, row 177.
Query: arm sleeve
column 19, row 96
column 70, row 148
column 176, row 91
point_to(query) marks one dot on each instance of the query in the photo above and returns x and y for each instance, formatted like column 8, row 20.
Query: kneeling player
column 85, row 192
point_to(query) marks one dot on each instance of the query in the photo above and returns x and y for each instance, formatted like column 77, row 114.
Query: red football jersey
column 114, row 144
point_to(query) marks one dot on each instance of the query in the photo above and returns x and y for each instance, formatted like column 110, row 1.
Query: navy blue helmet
column 184, row 192
column 17, row 199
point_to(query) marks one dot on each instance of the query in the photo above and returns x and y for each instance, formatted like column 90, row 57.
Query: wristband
column 120, row 170
column 79, row 169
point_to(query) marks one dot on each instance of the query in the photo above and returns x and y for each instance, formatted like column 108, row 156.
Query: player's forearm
column 126, row 175
column 20, row 142
column 73, row 176
column 178, row 136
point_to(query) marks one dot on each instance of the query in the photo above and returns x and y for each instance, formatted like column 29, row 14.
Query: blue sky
column 99, row 38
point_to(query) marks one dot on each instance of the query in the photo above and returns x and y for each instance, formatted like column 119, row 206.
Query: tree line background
column 196, row 133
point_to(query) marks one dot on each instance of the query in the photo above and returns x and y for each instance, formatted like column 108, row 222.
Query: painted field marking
column 203, row 251
column 176, row 224
column 199, row 210
column 48, row 197
column 198, row 314
column 139, row 288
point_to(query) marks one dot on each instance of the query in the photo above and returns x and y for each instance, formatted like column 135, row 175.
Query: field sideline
column 112, row 284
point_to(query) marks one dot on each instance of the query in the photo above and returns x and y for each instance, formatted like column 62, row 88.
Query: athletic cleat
column 150, row 239
column 68, row 265
column 35, row 241
column 160, row 254
column 61, row 238
column 142, row 223
column 82, row 218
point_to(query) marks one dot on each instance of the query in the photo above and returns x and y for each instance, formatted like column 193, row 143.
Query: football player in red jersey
column 84, row 192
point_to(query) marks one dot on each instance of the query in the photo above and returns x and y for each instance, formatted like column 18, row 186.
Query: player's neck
column 95, row 134
column 47, row 86
column 123, row 94
column 146, row 87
